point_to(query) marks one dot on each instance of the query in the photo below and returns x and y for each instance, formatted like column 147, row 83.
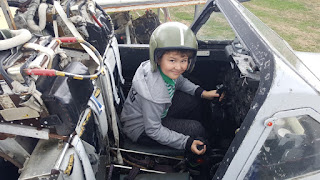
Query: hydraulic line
column 52, row 72
column 42, row 15
column 42, row 11
column 20, row 36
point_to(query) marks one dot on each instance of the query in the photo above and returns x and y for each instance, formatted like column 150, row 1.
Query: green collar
column 166, row 78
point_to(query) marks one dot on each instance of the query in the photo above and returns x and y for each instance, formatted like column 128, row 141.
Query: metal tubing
column 78, row 146
column 144, row 153
column 62, row 154
column 145, row 170
column 128, row 34
column 196, row 11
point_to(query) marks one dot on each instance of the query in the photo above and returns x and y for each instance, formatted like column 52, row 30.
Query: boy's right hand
column 197, row 151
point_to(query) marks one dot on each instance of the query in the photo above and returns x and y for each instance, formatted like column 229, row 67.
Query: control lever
column 200, row 147
column 220, row 90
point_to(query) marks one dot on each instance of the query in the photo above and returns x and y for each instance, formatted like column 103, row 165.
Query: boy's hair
column 187, row 52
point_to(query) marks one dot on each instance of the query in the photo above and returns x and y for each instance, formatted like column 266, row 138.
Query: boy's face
column 173, row 64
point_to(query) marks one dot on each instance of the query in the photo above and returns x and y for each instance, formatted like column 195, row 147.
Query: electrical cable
column 96, row 20
column 31, row 58
column 26, row 64
column 108, row 18
column 80, row 6
column 53, row 72
column 2, row 71
column 68, row 8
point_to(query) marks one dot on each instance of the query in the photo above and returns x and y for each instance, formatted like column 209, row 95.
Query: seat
column 119, row 97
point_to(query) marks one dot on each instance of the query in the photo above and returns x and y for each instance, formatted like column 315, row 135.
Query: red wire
column 96, row 20
column 68, row 39
column 41, row 72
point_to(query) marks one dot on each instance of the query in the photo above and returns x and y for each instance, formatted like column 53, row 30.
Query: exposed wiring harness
column 80, row 6
column 96, row 20
column 108, row 18
column 53, row 72
column 68, row 8
column 2, row 70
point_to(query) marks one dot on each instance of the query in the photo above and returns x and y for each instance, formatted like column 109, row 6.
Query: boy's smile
column 173, row 64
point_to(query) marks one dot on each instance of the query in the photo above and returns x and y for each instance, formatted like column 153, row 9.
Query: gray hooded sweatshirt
column 148, row 98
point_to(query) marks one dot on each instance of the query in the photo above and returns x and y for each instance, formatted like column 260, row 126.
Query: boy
column 145, row 119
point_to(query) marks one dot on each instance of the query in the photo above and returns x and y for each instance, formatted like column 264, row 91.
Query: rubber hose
column 21, row 36
column 41, row 13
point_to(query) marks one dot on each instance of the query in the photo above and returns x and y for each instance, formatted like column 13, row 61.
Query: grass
column 296, row 21
column 282, row 5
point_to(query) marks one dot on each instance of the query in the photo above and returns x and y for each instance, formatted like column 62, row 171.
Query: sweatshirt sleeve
column 184, row 85
column 156, row 131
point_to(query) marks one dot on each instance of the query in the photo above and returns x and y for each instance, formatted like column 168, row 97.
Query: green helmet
column 172, row 36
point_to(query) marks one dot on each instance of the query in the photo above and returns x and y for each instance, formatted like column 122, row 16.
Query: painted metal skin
column 287, row 87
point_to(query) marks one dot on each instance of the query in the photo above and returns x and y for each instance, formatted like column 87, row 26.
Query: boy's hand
column 210, row 94
column 197, row 151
